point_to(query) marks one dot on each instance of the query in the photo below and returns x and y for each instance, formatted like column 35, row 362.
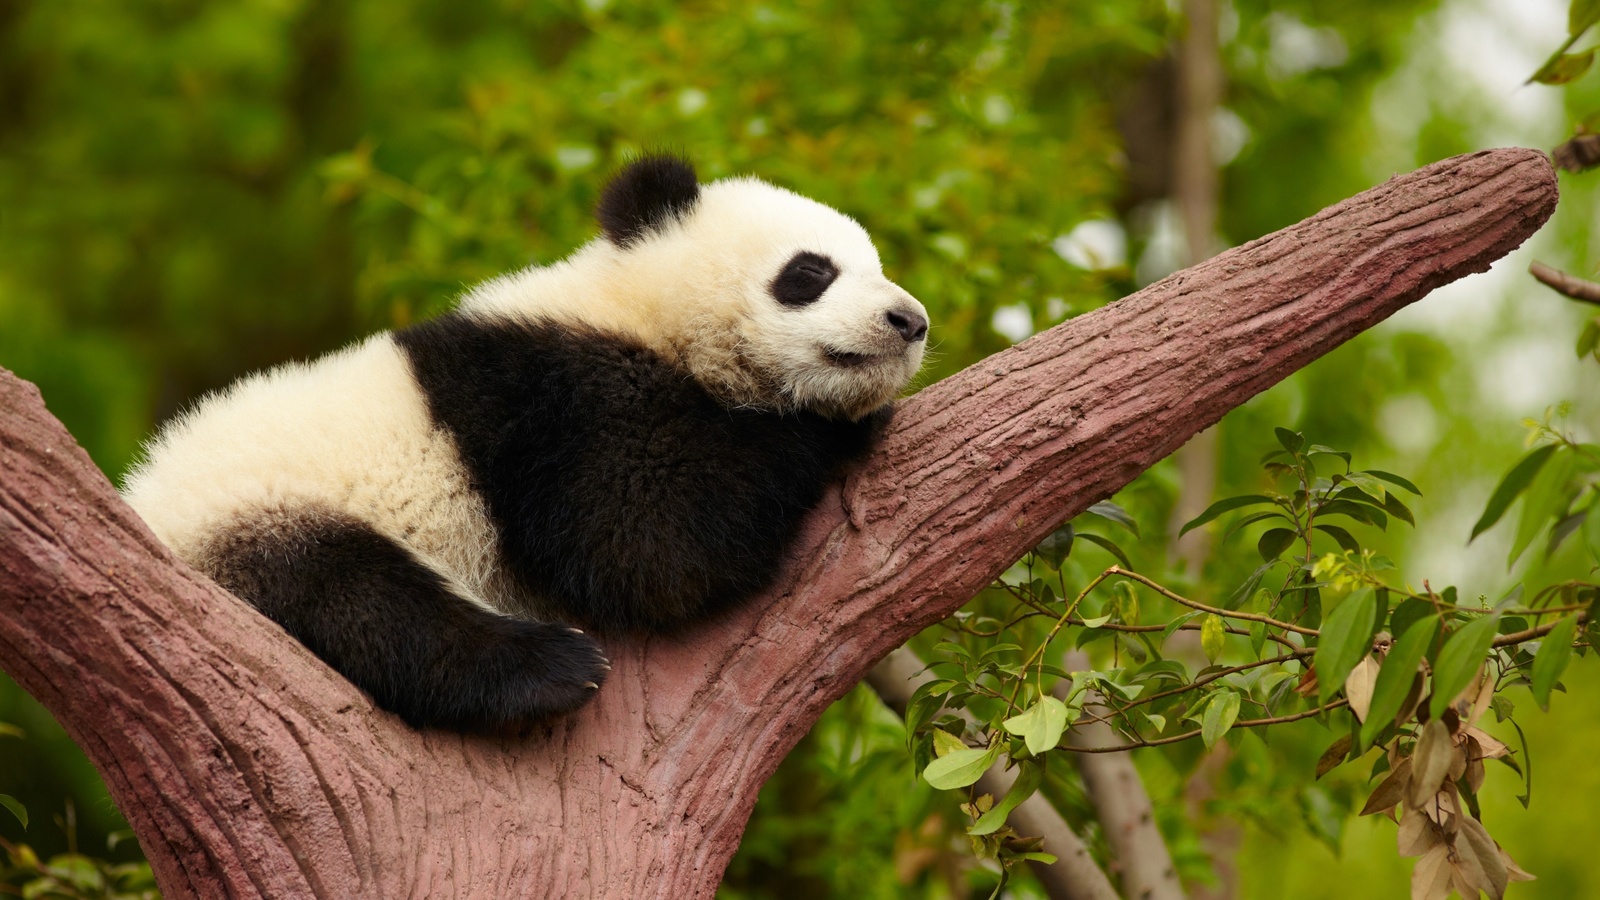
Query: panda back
column 349, row 433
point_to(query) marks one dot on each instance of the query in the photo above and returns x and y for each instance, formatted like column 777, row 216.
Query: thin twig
column 1566, row 285
column 1187, row 735
column 1204, row 680
column 1517, row 637
column 1216, row 611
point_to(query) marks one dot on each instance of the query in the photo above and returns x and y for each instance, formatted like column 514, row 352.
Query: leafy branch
column 1415, row 668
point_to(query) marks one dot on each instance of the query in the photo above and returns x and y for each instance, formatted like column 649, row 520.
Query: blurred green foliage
column 192, row 189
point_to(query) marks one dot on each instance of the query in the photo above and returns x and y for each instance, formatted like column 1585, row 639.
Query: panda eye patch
column 804, row 278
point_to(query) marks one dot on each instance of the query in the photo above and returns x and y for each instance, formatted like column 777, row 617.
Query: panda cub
column 623, row 442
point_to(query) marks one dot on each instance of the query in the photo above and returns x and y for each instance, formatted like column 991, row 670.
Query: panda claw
column 591, row 685
column 575, row 630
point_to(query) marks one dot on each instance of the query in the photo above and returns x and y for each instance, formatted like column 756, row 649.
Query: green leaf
column 1105, row 509
column 1029, row 776
column 1041, row 725
column 1395, row 480
column 1109, row 547
column 1344, row 539
column 1394, row 507
column 1413, row 609
column 1274, row 542
column 961, row 768
column 1563, row 530
column 16, row 807
column 1048, row 859
column 1359, row 511
column 1222, row 506
column 1318, row 448
column 1220, row 715
column 1564, row 67
column 1368, row 484
column 1545, row 501
column 945, row 743
column 1179, row 622
column 1125, row 603
column 1346, row 638
column 925, row 703
column 1212, row 636
column 1247, row 588
column 1589, row 338
column 9, row 730
column 1581, row 15
column 1292, row 441
column 1460, row 658
column 1591, row 530
column 1252, row 519
column 1397, row 675
column 1056, row 546
column 1511, row 486
column 1551, row 660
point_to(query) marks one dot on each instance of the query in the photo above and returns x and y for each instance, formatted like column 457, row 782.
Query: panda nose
column 912, row 325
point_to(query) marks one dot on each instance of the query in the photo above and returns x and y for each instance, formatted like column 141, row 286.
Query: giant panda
column 450, row 514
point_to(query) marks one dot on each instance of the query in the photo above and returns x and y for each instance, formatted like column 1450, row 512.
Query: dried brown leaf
column 1444, row 809
column 1475, row 771
column 1430, row 763
column 1430, row 880
column 1358, row 686
column 1458, row 763
column 1514, row 872
column 1390, row 791
column 1478, row 859
column 1489, row 747
column 1417, row 835
column 1308, row 682
column 1334, row 755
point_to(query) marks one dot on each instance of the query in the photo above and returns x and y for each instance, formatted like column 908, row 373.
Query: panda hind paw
column 549, row 670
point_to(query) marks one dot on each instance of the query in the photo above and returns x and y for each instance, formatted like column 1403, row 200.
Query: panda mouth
column 847, row 360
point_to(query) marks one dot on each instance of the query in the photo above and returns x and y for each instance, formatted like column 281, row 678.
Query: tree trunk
column 249, row 769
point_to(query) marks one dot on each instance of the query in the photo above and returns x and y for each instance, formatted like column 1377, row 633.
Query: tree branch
column 1569, row 286
column 249, row 769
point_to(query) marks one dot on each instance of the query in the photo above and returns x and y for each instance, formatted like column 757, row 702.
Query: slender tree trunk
column 249, row 769
column 1195, row 191
column 1121, row 802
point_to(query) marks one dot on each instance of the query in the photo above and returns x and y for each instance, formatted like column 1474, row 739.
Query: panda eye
column 803, row 279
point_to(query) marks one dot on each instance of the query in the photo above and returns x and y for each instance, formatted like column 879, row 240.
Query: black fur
column 624, row 493
column 803, row 279
column 390, row 624
column 646, row 194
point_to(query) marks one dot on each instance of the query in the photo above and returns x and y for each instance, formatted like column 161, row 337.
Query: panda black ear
column 647, row 194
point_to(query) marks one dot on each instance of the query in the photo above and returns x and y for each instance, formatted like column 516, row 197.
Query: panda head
column 769, row 299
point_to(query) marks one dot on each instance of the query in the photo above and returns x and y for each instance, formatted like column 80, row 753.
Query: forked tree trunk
column 249, row 769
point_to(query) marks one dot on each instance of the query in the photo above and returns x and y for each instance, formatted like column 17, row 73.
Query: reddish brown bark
column 249, row 769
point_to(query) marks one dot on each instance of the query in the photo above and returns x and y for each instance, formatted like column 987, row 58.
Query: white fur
column 351, row 431
column 698, row 292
